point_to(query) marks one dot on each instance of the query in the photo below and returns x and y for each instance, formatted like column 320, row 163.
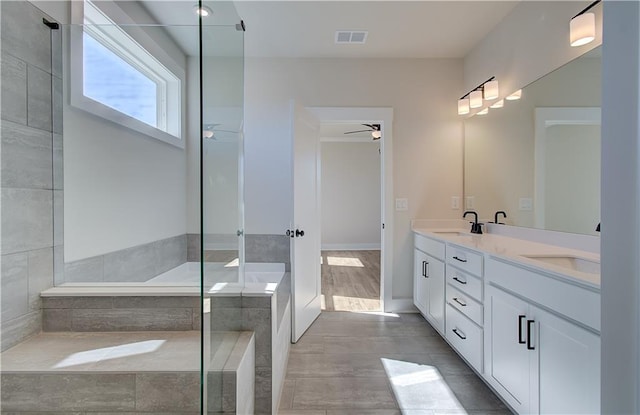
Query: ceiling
column 397, row 29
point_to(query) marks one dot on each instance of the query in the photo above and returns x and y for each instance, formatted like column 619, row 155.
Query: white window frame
column 102, row 28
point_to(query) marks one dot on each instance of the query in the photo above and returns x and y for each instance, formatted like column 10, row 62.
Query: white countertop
column 513, row 250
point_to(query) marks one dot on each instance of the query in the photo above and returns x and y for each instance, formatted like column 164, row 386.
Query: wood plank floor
column 362, row 363
column 351, row 280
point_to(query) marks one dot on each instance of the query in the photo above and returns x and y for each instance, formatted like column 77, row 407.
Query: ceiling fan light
column 516, row 95
column 582, row 29
column 491, row 90
column 463, row 106
column 207, row 134
column 203, row 11
column 376, row 134
column 475, row 99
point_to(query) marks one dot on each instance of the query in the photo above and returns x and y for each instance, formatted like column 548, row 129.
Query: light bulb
column 463, row 106
column 475, row 99
column 483, row 112
column 516, row 95
column 376, row 134
column 498, row 104
column 203, row 11
column 582, row 29
column 491, row 90
column 207, row 134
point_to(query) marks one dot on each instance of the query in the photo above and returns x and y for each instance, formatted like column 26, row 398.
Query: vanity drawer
column 465, row 282
column 429, row 246
column 465, row 260
column 465, row 337
column 465, row 304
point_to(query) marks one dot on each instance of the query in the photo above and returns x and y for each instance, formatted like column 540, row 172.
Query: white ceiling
column 397, row 29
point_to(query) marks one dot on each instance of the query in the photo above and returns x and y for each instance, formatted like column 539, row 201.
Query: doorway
column 351, row 215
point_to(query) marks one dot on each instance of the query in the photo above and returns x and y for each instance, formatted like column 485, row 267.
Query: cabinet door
column 420, row 281
column 435, row 292
column 568, row 366
column 507, row 359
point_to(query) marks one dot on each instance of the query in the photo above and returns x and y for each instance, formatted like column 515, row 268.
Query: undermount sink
column 570, row 262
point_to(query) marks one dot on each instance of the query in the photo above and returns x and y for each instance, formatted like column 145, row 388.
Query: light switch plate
column 402, row 204
column 525, row 203
column 455, row 202
column 470, row 202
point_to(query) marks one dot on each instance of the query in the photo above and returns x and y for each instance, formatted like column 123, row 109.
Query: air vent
column 347, row 36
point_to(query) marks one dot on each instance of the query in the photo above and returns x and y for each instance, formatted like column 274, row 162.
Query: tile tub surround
column 27, row 185
column 121, row 313
column 268, row 316
column 136, row 264
column 133, row 373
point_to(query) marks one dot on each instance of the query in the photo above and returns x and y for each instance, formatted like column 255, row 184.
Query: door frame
column 384, row 117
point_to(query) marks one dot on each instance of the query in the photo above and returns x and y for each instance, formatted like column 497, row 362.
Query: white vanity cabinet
column 539, row 361
column 464, row 310
column 429, row 280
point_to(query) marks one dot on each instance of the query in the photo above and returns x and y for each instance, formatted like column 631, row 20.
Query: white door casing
column 305, row 248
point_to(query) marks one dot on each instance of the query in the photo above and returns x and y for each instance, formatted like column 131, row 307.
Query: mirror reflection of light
column 235, row 263
column 418, row 386
column 107, row 353
column 344, row 262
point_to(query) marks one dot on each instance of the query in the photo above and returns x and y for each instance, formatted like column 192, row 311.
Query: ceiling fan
column 373, row 128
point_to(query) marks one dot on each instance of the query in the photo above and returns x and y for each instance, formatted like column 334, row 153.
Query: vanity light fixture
column 483, row 112
column 463, row 106
column 491, row 90
column 516, row 95
column 498, row 104
column 582, row 28
column 473, row 99
column 203, row 11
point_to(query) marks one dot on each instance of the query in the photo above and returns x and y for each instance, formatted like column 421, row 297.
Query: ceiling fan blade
column 359, row 131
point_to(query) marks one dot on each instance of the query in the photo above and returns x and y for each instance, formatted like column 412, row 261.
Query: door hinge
column 383, row 226
column 51, row 25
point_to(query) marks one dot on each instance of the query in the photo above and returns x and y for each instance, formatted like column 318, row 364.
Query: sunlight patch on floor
column 343, row 303
column 418, row 386
column 344, row 262
column 108, row 353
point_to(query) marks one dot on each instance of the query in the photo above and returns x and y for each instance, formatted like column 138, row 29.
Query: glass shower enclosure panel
column 222, row 213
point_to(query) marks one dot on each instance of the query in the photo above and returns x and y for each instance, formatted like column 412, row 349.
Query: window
column 116, row 78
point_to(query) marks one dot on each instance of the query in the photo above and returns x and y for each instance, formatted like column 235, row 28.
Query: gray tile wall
column 137, row 264
column 27, row 196
column 268, row 248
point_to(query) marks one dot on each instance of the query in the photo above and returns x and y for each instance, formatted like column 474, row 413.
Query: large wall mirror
column 538, row 158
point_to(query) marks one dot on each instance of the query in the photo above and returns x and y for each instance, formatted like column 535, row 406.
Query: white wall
column 122, row 188
column 350, row 195
column 427, row 136
column 530, row 42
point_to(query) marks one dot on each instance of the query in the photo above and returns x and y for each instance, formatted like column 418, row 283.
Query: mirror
column 538, row 158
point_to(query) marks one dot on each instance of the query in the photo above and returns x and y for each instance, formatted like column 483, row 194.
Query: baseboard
column 351, row 247
column 399, row 305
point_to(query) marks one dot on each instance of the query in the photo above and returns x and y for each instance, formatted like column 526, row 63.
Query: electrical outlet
column 455, row 202
column 470, row 202
column 402, row 204
column 525, row 203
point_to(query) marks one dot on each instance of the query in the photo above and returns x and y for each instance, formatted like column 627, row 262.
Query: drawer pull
column 459, row 259
column 520, row 339
column 457, row 333
column 425, row 269
column 529, row 329
column 459, row 280
column 462, row 303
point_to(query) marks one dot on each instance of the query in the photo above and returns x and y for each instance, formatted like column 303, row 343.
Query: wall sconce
column 487, row 90
column 582, row 28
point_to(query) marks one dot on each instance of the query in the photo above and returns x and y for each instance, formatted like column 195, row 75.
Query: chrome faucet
column 475, row 226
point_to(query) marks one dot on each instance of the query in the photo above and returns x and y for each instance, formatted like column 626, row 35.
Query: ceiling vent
column 347, row 36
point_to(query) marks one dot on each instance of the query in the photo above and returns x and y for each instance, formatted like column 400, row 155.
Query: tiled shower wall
column 31, row 139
